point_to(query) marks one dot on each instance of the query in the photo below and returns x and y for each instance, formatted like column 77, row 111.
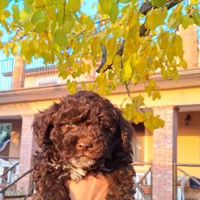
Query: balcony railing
column 6, row 66
column 33, row 75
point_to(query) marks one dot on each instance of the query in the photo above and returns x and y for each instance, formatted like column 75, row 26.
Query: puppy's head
column 86, row 130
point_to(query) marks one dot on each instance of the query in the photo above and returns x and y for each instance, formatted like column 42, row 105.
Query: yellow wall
column 189, row 142
column 185, row 96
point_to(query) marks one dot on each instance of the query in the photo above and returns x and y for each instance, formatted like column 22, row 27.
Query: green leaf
column 159, row 3
column 3, row 4
column 75, row 4
column 15, row 9
column 114, row 13
column 106, row 5
column 60, row 38
column 42, row 26
column 38, row 16
column 187, row 21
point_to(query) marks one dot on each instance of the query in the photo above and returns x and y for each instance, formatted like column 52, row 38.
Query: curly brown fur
column 89, row 117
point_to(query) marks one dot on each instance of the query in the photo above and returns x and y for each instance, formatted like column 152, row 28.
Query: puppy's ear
column 43, row 124
column 126, row 131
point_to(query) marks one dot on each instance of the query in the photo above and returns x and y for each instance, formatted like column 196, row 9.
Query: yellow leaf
column 75, row 4
column 16, row 17
column 126, row 71
column 114, row 13
column 132, row 19
column 140, row 65
column 94, row 44
column 187, row 21
column 163, row 40
column 14, row 49
column 68, row 26
column 155, row 18
column 28, row 27
column 42, row 26
column 118, row 31
column 26, row 14
column 5, row 50
column 196, row 2
column 1, row 45
column 3, row 4
column 60, row 38
column 106, row 5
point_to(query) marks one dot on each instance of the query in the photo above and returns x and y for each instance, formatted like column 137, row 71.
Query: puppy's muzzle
column 82, row 146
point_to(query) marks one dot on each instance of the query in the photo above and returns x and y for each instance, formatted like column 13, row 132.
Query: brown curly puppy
column 81, row 137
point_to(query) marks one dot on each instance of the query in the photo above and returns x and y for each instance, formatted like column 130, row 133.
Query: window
column 5, row 131
column 138, row 142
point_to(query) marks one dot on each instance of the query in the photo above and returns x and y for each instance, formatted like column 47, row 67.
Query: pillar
column 190, row 45
column 18, row 73
column 164, row 153
column 25, row 160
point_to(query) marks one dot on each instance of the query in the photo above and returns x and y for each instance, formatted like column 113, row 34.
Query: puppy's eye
column 69, row 124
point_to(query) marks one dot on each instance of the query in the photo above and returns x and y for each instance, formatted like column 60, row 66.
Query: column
column 18, row 73
column 25, row 159
column 164, row 153
column 190, row 45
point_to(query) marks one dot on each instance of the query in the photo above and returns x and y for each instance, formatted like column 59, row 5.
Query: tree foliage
column 130, row 39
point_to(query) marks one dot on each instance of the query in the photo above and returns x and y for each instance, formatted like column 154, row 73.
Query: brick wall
column 164, row 153
column 26, row 152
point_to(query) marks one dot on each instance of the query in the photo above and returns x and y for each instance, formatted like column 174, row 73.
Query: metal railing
column 183, row 180
column 30, row 192
column 6, row 67
column 36, row 74
column 8, row 186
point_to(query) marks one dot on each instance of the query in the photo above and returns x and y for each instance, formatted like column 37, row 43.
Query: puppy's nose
column 83, row 146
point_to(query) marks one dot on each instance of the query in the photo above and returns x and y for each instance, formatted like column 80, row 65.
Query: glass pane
column 138, row 149
column 5, row 131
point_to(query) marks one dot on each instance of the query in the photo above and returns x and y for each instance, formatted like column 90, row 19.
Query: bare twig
column 103, row 58
column 127, row 89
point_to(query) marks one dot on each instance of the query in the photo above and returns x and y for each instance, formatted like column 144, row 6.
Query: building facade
column 175, row 143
